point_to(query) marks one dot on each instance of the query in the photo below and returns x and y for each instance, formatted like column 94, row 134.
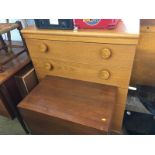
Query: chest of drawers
column 100, row 56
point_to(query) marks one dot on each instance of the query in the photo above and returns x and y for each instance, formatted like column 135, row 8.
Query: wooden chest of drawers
column 102, row 63
column 100, row 56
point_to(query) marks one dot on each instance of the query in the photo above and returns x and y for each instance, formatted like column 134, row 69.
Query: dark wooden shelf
column 14, row 66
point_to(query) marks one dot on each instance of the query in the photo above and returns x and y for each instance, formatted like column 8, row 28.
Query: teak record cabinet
column 63, row 106
column 98, row 56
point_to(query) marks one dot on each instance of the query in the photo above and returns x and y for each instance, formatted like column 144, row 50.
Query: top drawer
column 85, row 53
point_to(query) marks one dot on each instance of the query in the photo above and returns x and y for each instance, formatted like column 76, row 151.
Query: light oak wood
column 123, row 34
column 119, row 110
column 43, row 47
column 79, row 56
column 85, row 53
column 117, row 75
column 100, row 56
column 123, row 30
column 106, row 53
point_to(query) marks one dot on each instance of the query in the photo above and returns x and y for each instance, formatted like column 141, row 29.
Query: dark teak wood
column 9, row 93
column 66, row 106
column 3, row 110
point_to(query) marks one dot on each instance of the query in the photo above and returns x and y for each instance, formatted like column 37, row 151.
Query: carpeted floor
column 10, row 127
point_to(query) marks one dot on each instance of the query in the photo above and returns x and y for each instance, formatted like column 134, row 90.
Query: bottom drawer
column 111, row 75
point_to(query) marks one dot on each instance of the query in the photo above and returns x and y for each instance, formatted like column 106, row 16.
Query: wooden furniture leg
column 20, row 27
column 3, row 44
column 119, row 110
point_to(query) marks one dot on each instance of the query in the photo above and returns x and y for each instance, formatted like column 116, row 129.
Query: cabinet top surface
column 123, row 30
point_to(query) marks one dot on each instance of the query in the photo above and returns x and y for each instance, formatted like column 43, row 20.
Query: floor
column 10, row 127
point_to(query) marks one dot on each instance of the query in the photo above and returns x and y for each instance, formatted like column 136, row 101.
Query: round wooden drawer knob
column 105, row 74
column 49, row 66
column 43, row 48
column 106, row 53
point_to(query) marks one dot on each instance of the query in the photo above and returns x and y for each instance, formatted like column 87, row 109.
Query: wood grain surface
column 80, row 54
column 87, row 104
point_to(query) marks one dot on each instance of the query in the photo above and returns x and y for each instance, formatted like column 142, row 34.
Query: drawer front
column 45, row 125
column 85, row 53
column 104, row 74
